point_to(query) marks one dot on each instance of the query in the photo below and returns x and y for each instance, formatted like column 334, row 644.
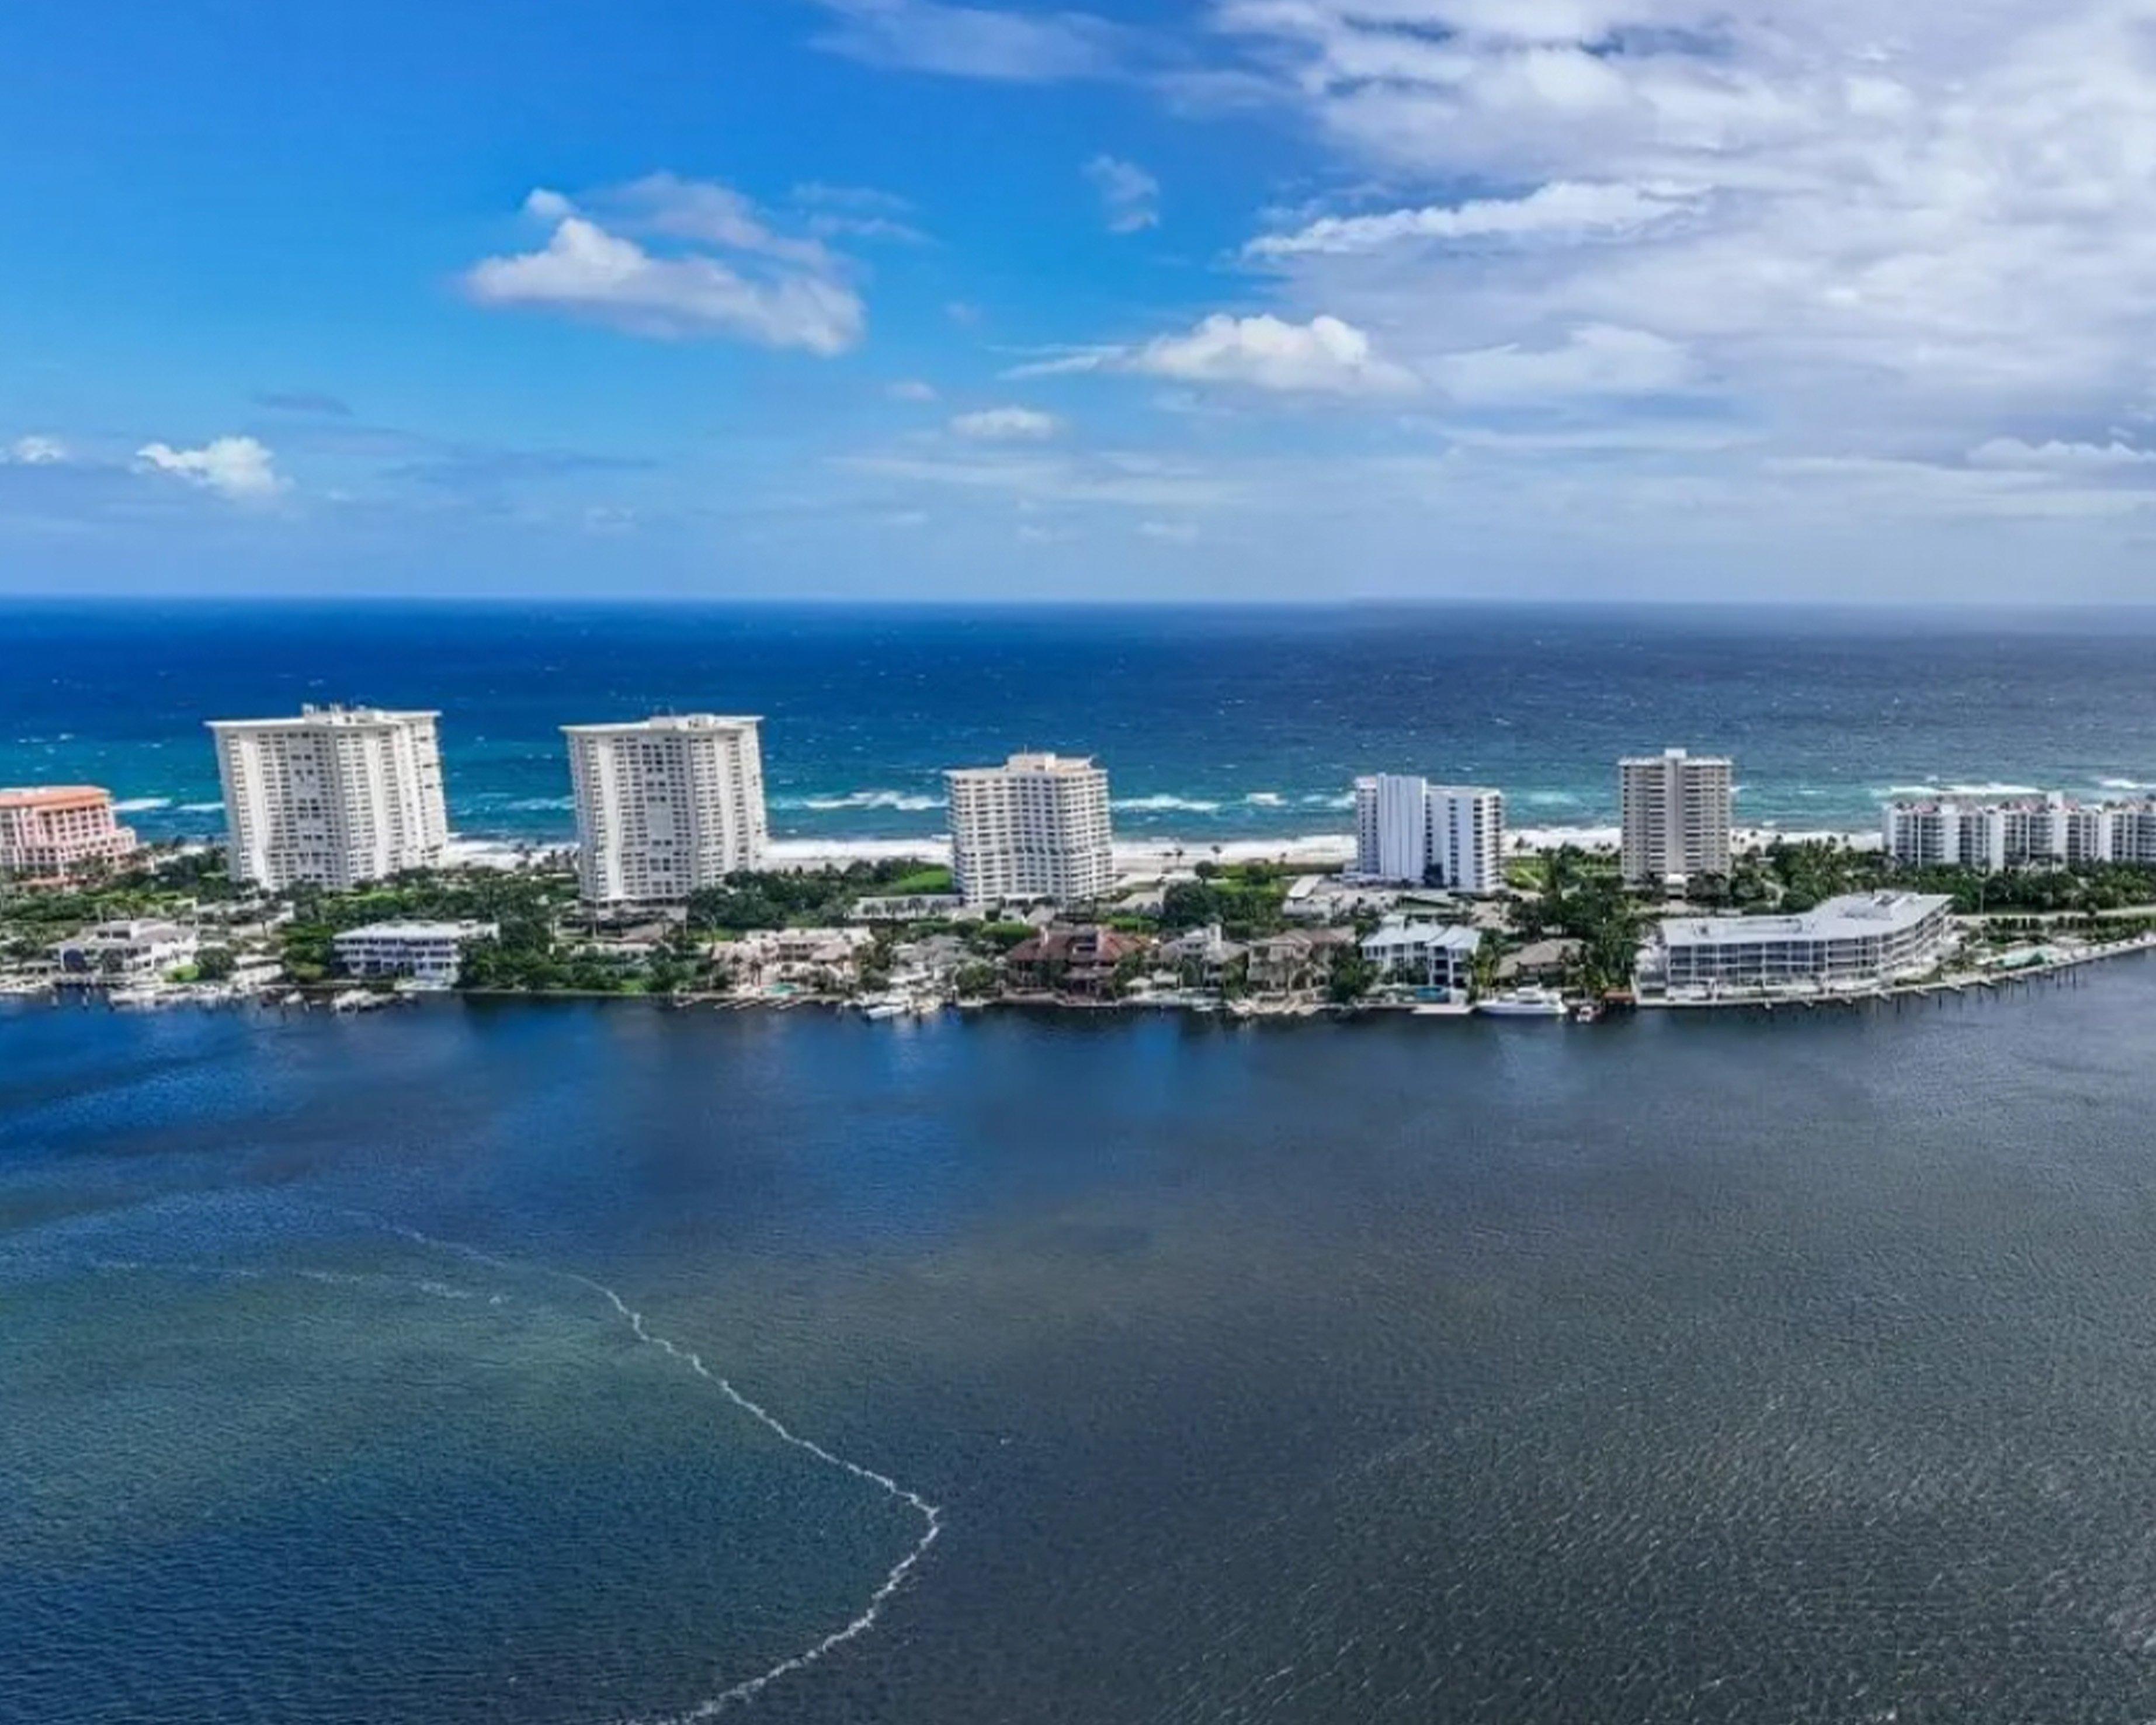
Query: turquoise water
column 1215, row 725
column 1722, row 1368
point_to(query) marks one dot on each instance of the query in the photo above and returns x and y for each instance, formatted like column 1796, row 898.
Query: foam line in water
column 931, row 1515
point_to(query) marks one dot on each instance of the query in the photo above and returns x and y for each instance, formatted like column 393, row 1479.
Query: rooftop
column 315, row 717
column 1853, row 916
column 671, row 721
column 1033, row 763
column 416, row 931
column 51, row 796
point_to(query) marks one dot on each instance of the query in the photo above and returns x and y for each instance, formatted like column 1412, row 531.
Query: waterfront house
column 819, row 956
column 1204, row 955
column 1297, row 961
column 429, row 953
column 1080, row 962
column 130, row 951
column 1435, row 955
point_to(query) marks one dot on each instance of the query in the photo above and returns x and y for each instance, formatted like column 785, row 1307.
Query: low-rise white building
column 125, row 952
column 431, row 953
column 1437, row 955
column 1857, row 940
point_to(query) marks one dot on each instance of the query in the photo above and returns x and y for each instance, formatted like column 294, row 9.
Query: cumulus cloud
column 1130, row 196
column 971, row 41
column 1323, row 356
column 1002, row 425
column 728, row 272
column 236, row 467
column 35, row 450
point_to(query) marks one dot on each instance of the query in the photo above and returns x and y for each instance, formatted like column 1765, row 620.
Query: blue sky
column 888, row 298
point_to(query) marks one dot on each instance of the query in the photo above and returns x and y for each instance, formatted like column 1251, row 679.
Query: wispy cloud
column 1562, row 210
column 305, row 401
column 1130, row 196
column 1012, row 424
column 969, row 41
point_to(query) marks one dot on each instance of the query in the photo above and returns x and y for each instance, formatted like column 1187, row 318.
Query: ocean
column 1218, row 726
column 563, row 1363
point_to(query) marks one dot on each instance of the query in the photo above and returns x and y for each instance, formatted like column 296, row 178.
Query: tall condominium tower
column 1035, row 827
column 665, row 805
column 337, row 796
column 1407, row 829
column 58, row 833
column 1677, row 810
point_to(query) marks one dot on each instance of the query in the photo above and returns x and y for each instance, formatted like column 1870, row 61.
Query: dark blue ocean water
column 1215, row 725
column 1716, row 1368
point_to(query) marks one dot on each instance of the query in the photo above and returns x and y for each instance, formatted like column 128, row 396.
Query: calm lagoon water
column 1722, row 1368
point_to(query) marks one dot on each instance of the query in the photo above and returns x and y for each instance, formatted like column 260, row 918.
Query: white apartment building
column 1991, row 833
column 1677, row 812
column 665, row 806
column 1409, row 829
column 335, row 797
column 429, row 953
column 1034, row 827
column 1857, row 940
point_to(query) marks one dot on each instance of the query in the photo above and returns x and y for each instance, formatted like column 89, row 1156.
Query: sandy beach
column 1140, row 858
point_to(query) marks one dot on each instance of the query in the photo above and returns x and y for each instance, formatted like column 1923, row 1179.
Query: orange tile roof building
column 58, row 833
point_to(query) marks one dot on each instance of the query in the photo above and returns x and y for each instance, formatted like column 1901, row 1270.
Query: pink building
column 58, row 832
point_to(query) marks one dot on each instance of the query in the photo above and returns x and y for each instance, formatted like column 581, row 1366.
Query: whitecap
column 141, row 805
column 1265, row 800
column 905, row 802
column 1162, row 803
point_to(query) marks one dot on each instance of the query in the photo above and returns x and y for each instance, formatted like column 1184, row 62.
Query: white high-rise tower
column 665, row 805
column 337, row 796
column 1035, row 827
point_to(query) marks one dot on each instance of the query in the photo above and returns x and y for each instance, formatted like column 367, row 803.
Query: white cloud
column 1946, row 213
column 35, row 451
column 1130, row 196
column 1599, row 360
column 1323, row 356
column 1007, row 425
column 910, row 389
column 747, row 281
column 971, row 41
column 1170, row 532
column 238, row 468
column 1563, row 209
column 2116, row 456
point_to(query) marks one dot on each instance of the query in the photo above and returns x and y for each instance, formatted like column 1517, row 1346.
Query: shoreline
column 1141, row 857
